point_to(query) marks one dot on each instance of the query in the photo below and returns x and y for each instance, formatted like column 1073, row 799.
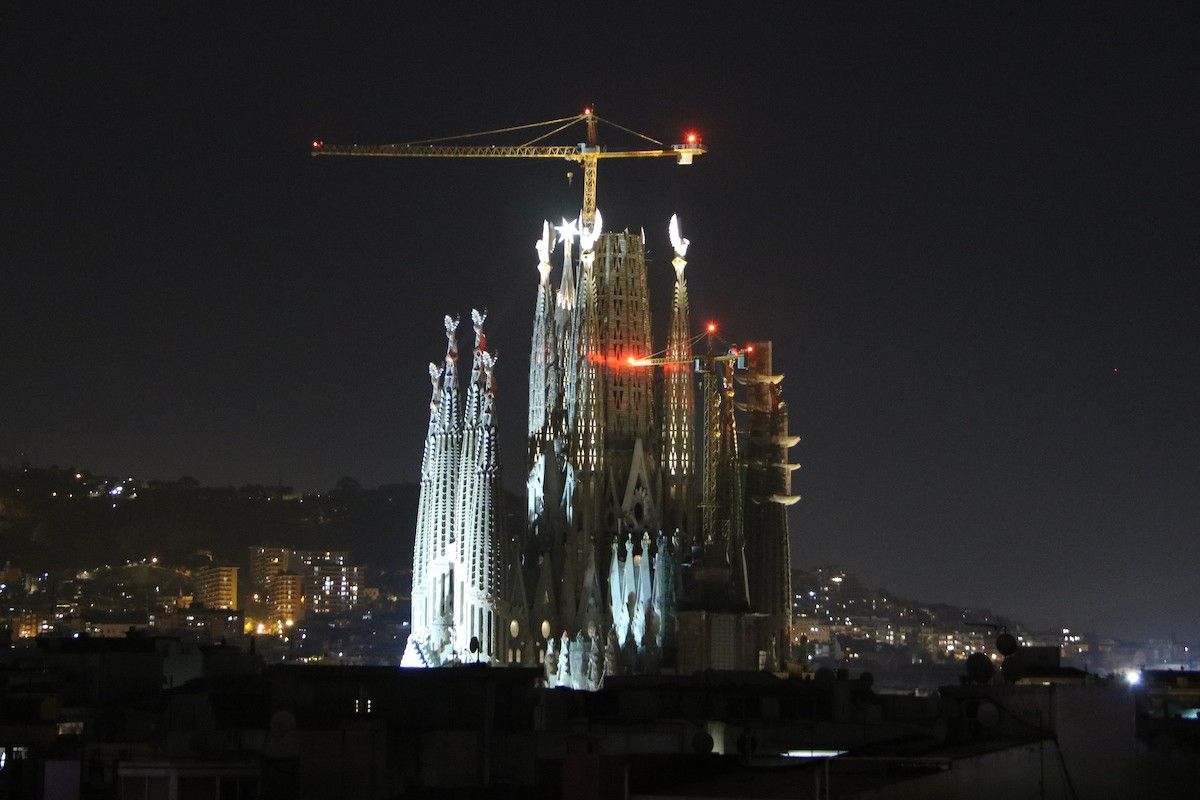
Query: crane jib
column 571, row 153
column 587, row 154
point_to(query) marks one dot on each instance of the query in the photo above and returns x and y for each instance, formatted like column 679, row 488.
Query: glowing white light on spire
column 678, row 242
column 567, row 231
column 543, row 250
column 588, row 238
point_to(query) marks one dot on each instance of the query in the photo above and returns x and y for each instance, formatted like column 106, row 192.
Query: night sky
column 970, row 230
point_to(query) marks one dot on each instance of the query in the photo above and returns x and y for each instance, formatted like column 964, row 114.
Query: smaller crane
column 719, row 445
column 587, row 153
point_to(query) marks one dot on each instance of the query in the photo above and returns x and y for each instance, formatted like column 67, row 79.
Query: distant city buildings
column 287, row 596
column 288, row 585
column 265, row 564
column 335, row 617
column 217, row 587
column 840, row 622
column 330, row 584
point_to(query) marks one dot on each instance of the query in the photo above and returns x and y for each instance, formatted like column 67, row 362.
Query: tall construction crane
column 587, row 153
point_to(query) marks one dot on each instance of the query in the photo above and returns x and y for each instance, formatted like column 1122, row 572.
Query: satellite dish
column 1006, row 643
column 474, row 644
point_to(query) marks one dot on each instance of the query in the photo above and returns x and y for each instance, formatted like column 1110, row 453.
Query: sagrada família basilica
column 656, row 536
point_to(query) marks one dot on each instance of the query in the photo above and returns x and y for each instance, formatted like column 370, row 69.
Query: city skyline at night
column 970, row 234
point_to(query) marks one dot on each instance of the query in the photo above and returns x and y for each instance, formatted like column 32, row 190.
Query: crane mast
column 587, row 153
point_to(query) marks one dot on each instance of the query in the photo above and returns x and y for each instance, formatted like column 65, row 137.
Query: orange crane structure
column 587, row 153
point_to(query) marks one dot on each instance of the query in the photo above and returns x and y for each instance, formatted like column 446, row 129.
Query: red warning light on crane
column 711, row 327
column 692, row 138
column 318, row 144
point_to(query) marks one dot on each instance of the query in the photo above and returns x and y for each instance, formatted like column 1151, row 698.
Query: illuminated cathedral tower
column 458, row 558
column 679, row 403
column 595, row 542
column 544, row 456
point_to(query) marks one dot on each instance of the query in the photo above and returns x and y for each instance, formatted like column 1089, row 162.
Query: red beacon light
column 318, row 144
column 711, row 327
column 689, row 148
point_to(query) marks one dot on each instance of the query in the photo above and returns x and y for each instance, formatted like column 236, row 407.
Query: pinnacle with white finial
column 589, row 236
column 543, row 250
column 679, row 244
column 567, row 231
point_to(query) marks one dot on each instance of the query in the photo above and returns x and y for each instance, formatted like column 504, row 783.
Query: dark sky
column 971, row 231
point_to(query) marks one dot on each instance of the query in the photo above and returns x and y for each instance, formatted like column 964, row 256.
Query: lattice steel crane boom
column 587, row 154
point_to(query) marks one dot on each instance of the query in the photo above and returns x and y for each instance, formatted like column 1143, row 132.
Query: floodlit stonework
column 633, row 540
column 458, row 563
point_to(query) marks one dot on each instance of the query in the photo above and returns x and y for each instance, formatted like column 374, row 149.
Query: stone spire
column 543, row 483
column 450, row 447
column 449, row 416
column 543, row 353
column 585, row 471
column 421, row 546
column 479, row 548
column 587, row 442
column 432, row 584
column 458, row 569
column 679, row 402
column 566, row 319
